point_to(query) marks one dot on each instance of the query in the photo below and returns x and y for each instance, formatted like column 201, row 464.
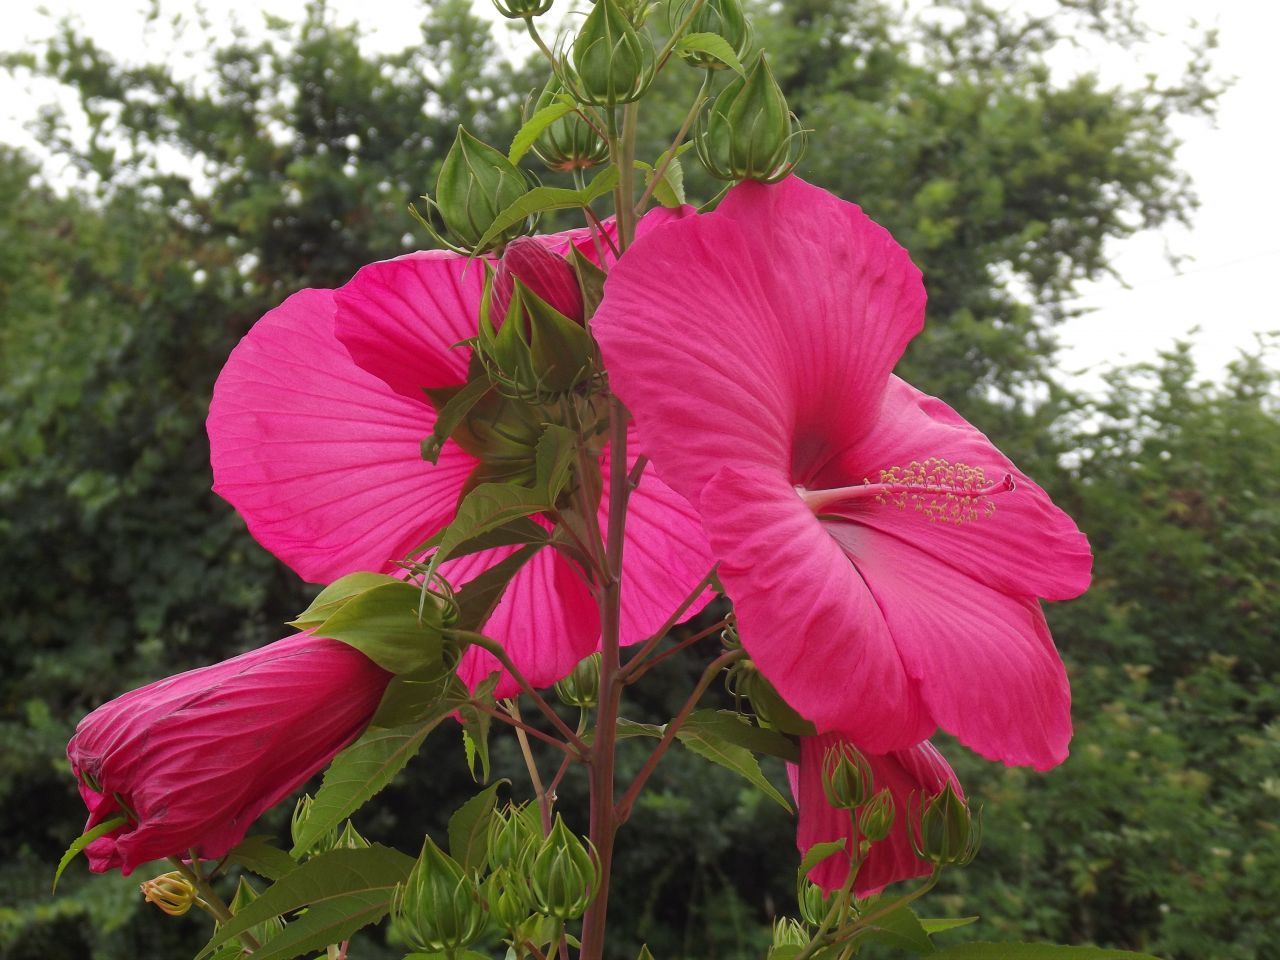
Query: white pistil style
column 941, row 490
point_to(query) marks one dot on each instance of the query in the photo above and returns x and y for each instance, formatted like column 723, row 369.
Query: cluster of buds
column 348, row 839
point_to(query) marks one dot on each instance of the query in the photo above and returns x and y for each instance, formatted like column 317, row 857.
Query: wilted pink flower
column 883, row 556
column 193, row 759
column 911, row 776
column 315, row 431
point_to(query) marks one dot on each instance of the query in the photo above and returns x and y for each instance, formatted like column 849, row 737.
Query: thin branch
column 669, row 157
column 523, row 728
column 673, row 728
column 633, row 664
column 544, row 807
column 682, row 645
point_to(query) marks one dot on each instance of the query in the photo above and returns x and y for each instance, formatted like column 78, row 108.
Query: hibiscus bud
column 546, row 274
column 814, row 903
column 875, row 820
column 522, row 9
column 564, row 874
column 789, row 933
column 192, row 760
column 438, row 907
column 171, row 892
column 508, row 897
column 724, row 18
column 581, row 688
column 513, row 834
column 613, row 62
column 476, row 184
column 569, row 142
column 846, row 776
column 298, row 823
column 245, row 895
column 533, row 352
column 350, row 839
column 948, row 834
column 747, row 132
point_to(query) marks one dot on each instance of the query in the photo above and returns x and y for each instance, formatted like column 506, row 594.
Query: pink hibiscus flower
column 193, row 759
column 911, row 777
column 884, row 558
column 315, row 432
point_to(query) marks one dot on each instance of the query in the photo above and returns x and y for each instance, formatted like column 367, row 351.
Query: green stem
column 537, row 39
column 626, row 177
column 665, row 53
column 864, row 922
column 216, row 905
column 673, row 728
column 669, row 157
column 544, row 806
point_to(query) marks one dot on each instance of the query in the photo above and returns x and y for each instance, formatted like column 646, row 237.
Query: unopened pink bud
column 546, row 274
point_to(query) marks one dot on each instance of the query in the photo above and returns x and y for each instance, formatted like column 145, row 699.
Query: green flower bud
column 514, row 833
column 245, row 895
column 846, row 776
column 564, row 874
column 747, row 132
column 569, row 143
column 350, row 839
column 766, row 703
column 789, row 933
column 875, row 820
column 814, row 903
column 722, row 17
column 613, row 62
column 949, row 835
column 476, row 184
column 438, row 907
column 508, row 897
column 537, row 354
column 522, row 9
column 301, row 811
column 581, row 688
column 171, row 892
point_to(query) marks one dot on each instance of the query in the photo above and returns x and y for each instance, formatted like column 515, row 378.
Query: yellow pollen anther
column 943, row 491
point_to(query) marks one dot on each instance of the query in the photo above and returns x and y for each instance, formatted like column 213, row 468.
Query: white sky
column 1231, row 253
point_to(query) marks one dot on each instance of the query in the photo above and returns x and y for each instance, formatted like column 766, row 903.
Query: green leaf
column 713, row 45
column 259, row 855
column 332, row 597
column 477, row 599
column 519, row 531
column 590, row 279
column 738, row 730
column 363, row 769
column 541, row 199
column 384, row 625
column 943, row 924
column 82, row 841
column 740, row 760
column 817, row 853
column 486, row 508
column 1034, row 951
column 553, row 460
column 410, row 697
column 469, row 828
column 343, row 890
column 670, row 187
column 534, row 126
column 901, row 930
column 452, row 413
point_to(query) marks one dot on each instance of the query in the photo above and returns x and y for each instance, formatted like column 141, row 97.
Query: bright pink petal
column 805, row 615
column 1027, row 546
column 401, row 319
column 322, row 459
column 547, row 619
column 762, row 333
column 665, row 555
column 984, row 661
column 911, row 775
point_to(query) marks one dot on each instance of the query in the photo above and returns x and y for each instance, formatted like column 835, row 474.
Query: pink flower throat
column 941, row 490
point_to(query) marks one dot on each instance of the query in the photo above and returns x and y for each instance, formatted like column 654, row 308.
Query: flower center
column 943, row 491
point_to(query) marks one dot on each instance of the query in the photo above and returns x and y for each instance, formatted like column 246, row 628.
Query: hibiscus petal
column 547, row 619
column 1027, row 546
column 910, row 775
column 806, row 617
column 665, row 553
column 401, row 318
column 761, row 333
column 320, row 458
column 984, row 660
